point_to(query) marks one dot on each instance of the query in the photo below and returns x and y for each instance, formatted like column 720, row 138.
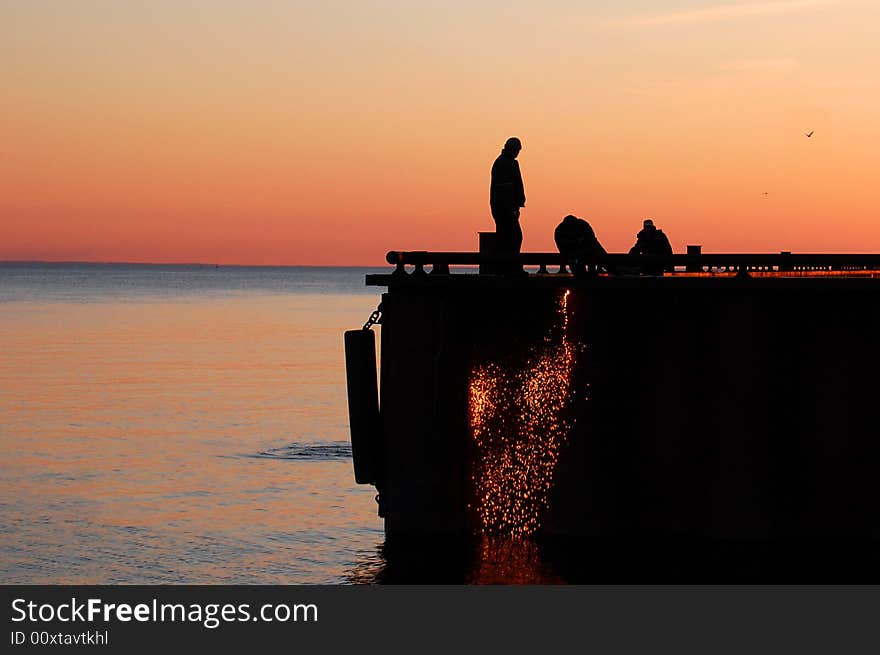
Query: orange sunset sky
column 285, row 132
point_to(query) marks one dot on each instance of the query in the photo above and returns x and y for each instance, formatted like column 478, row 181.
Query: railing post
column 694, row 251
column 784, row 264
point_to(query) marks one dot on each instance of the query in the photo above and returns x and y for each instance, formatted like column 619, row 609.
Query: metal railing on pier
column 783, row 263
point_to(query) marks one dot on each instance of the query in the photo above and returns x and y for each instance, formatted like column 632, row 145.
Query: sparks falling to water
column 502, row 560
column 519, row 423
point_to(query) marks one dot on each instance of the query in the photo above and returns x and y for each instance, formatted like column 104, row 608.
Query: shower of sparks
column 519, row 422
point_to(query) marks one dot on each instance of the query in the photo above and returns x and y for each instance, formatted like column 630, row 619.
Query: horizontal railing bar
column 420, row 257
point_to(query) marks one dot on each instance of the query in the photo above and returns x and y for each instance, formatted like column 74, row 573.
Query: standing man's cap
column 513, row 144
column 648, row 223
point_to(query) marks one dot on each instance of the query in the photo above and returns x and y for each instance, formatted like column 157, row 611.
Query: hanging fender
column 363, row 403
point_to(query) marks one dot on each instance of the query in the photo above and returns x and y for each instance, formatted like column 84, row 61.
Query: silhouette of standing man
column 506, row 196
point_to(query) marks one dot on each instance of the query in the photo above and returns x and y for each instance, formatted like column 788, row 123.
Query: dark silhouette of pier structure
column 730, row 399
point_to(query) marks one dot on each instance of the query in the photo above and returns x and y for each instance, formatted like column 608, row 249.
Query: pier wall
column 719, row 408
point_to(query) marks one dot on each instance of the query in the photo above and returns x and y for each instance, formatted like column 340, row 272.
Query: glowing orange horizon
column 288, row 136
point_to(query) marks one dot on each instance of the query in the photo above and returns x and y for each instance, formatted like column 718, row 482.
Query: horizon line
column 208, row 264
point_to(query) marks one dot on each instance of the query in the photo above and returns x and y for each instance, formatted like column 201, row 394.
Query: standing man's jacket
column 506, row 189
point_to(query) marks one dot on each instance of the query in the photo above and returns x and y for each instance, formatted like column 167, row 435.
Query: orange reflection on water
column 144, row 441
column 502, row 560
column 519, row 424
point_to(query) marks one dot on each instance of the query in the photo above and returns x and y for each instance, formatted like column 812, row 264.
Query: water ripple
column 316, row 451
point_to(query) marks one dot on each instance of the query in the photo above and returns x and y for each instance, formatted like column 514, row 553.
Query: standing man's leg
column 516, row 239
column 504, row 233
column 502, row 228
column 516, row 235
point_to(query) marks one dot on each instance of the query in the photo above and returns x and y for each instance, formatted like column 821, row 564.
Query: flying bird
column 810, row 133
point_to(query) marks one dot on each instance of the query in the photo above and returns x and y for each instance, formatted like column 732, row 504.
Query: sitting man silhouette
column 576, row 241
column 651, row 241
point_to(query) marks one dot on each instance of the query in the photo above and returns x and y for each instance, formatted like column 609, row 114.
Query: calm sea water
column 180, row 424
